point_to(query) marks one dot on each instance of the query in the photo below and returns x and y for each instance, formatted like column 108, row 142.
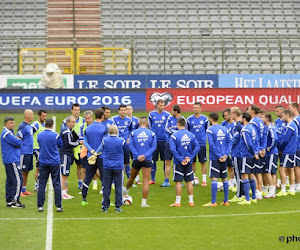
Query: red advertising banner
column 222, row 98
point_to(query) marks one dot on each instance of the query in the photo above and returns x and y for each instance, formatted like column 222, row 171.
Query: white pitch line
column 49, row 233
column 149, row 218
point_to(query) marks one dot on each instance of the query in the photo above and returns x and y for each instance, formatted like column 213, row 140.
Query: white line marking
column 49, row 233
column 149, row 218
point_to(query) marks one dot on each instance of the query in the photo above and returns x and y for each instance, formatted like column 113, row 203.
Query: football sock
column 153, row 171
column 234, row 181
column 214, row 190
column 253, row 188
column 178, row 199
column 225, row 188
column 272, row 190
column 64, row 192
column 231, row 182
column 292, row 188
column 95, row 182
column 283, row 188
column 137, row 178
column 23, row 189
column 246, row 188
column 167, row 180
column 204, row 177
column 144, row 201
column 287, row 180
column 127, row 170
column 79, row 183
column 191, row 198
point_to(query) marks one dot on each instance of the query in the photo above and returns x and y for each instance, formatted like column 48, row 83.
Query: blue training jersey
column 124, row 126
column 10, row 147
column 142, row 142
column 112, row 148
column 93, row 136
column 134, row 123
column 157, row 123
column 171, row 126
column 229, row 126
column 107, row 123
column 272, row 140
column 183, row 144
column 49, row 142
column 248, row 146
column 198, row 127
column 259, row 126
column 219, row 141
column 236, row 139
column 68, row 140
column 280, row 128
column 297, row 122
column 288, row 145
column 25, row 132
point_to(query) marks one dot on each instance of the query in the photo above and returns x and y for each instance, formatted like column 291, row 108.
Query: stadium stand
column 171, row 37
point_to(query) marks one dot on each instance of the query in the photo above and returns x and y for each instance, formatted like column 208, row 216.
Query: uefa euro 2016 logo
column 167, row 97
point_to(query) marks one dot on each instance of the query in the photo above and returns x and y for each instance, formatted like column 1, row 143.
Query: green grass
column 179, row 230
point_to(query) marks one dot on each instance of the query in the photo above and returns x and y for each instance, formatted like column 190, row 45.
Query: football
column 127, row 200
column 195, row 181
column 220, row 186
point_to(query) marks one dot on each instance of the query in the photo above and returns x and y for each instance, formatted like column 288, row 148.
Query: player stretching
column 157, row 121
column 171, row 127
column 287, row 151
column 198, row 124
column 248, row 149
column 142, row 144
column 295, row 110
column 229, row 124
column 184, row 146
column 271, row 156
column 220, row 145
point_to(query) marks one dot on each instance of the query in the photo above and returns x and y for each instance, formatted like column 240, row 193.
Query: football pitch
column 269, row 224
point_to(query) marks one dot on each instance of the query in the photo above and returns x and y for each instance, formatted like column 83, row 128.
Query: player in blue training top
column 49, row 142
column 270, row 168
column 294, row 107
column 198, row 124
column 157, row 122
column 220, row 144
column 38, row 126
column 184, row 146
column 249, row 151
column 142, row 144
column 134, row 126
column 123, row 123
column 25, row 132
column 10, row 149
column 259, row 127
column 93, row 136
column 236, row 115
column 170, row 128
column 229, row 124
column 112, row 148
column 287, row 151
column 70, row 141
column 106, row 120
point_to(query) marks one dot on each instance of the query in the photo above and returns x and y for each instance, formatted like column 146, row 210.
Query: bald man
column 25, row 133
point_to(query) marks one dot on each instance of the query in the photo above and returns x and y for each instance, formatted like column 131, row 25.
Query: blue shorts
column 217, row 169
column 229, row 162
column 36, row 153
column 258, row 166
column 201, row 155
column 168, row 153
column 126, row 154
column 160, row 150
column 66, row 163
column 144, row 164
column 247, row 165
column 84, row 162
column 288, row 161
column 271, row 164
column 26, row 162
column 297, row 159
column 181, row 172
column 78, row 161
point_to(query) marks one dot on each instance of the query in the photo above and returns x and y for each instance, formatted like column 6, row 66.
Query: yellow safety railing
column 103, row 61
column 34, row 60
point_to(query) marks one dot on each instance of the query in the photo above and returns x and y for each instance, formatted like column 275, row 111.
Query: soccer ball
column 220, row 186
column 196, row 181
column 127, row 200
